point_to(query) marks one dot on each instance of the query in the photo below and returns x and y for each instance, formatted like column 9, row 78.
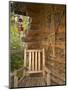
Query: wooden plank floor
column 32, row 81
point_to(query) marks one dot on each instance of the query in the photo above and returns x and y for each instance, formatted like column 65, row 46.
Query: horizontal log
column 45, row 43
column 58, row 68
column 58, row 60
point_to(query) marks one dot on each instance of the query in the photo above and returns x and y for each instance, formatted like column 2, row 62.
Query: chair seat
column 40, row 71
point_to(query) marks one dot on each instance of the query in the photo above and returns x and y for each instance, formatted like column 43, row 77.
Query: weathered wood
column 36, row 60
column 32, row 61
column 47, row 70
column 57, row 80
column 15, row 79
column 33, row 50
column 57, row 60
column 41, row 22
column 32, row 81
column 24, row 57
column 29, row 61
column 54, row 72
column 39, row 61
column 48, row 76
column 43, row 57
column 40, row 71
column 48, row 79
column 58, row 75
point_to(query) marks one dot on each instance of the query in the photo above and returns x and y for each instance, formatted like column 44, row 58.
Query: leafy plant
column 15, row 47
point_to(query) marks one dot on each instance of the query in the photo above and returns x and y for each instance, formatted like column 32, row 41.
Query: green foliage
column 14, row 35
column 15, row 43
column 16, row 61
column 25, row 22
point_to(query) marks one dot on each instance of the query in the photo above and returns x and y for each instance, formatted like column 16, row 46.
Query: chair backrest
column 34, row 60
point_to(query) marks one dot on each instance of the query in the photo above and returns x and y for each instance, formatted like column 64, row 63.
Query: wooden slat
column 39, row 60
column 35, row 71
column 29, row 61
column 43, row 56
column 33, row 50
column 36, row 60
column 32, row 60
column 25, row 58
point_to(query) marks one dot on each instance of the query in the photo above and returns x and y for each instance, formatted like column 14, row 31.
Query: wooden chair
column 34, row 60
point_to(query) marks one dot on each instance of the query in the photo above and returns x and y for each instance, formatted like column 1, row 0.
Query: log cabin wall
column 47, row 19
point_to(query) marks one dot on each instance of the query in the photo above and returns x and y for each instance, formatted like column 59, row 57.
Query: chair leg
column 48, row 78
column 44, row 75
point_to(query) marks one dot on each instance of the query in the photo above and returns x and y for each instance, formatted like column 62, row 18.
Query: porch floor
column 30, row 81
